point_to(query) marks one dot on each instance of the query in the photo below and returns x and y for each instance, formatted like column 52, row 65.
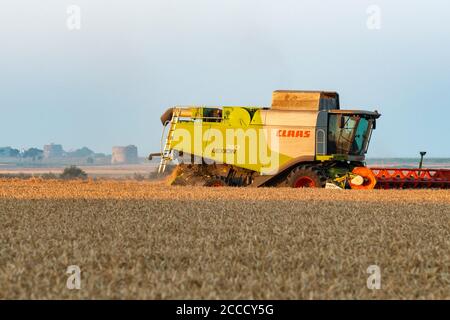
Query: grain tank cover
column 305, row 100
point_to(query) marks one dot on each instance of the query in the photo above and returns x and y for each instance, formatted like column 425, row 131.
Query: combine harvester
column 304, row 140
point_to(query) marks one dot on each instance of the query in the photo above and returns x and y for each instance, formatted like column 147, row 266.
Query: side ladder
column 166, row 152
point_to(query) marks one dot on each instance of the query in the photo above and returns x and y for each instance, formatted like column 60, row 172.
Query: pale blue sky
column 108, row 83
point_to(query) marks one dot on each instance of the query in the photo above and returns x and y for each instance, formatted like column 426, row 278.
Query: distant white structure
column 124, row 155
column 53, row 151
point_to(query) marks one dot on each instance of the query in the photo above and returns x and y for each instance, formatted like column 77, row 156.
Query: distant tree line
column 38, row 154
column 9, row 152
column 32, row 153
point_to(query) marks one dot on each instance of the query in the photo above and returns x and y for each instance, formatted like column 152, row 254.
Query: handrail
column 162, row 136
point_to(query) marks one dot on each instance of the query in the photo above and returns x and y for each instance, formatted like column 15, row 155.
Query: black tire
column 305, row 177
column 215, row 182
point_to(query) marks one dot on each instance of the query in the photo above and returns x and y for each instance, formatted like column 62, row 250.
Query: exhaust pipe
column 152, row 155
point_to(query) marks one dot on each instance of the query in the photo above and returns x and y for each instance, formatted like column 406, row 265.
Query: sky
column 107, row 82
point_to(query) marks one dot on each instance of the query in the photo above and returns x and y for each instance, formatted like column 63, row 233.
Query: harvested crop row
column 110, row 189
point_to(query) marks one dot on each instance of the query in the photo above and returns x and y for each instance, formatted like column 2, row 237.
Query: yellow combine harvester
column 303, row 140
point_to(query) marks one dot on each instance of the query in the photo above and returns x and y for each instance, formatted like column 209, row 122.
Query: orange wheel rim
column 304, row 182
column 369, row 179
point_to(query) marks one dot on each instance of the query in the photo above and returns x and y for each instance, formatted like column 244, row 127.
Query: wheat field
column 145, row 240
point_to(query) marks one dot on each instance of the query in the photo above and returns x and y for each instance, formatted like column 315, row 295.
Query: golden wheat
column 145, row 240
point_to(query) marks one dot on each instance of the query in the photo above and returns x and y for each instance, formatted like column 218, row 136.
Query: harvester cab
column 303, row 140
column 349, row 132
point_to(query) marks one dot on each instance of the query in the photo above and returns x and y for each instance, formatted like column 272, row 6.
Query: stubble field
column 145, row 240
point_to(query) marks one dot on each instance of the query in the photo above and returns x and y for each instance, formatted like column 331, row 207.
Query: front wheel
column 305, row 177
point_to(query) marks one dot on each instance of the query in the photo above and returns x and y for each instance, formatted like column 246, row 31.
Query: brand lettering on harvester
column 294, row 133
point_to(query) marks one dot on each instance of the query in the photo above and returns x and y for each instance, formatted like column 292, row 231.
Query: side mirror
column 374, row 124
column 341, row 122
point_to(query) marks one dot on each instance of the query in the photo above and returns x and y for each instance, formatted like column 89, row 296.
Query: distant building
column 124, row 155
column 53, row 151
